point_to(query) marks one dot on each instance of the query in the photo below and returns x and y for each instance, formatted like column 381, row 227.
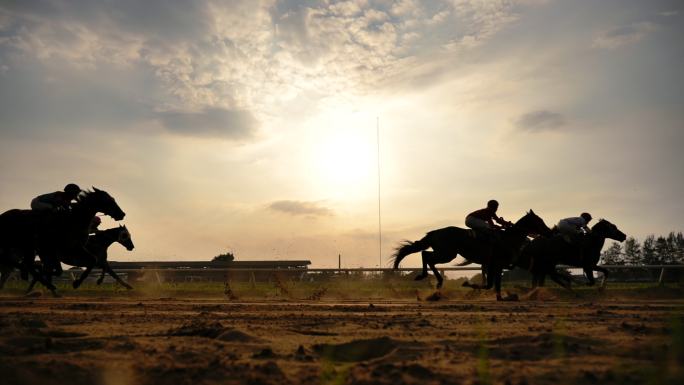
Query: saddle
column 488, row 235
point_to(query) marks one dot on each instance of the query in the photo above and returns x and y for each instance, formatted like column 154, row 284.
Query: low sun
column 345, row 160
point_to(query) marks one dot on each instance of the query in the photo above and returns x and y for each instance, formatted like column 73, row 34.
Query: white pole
column 379, row 212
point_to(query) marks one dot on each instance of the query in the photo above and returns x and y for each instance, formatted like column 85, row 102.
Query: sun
column 345, row 158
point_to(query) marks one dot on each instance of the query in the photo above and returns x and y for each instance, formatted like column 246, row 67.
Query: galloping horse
column 495, row 254
column 97, row 245
column 543, row 254
column 23, row 233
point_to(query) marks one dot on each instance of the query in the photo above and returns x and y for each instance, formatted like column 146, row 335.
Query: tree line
column 661, row 250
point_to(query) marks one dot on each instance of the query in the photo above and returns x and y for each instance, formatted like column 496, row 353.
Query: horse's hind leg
column 425, row 256
column 102, row 274
column 440, row 280
column 563, row 281
column 115, row 276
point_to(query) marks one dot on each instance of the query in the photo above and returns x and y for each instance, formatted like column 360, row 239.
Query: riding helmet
column 72, row 189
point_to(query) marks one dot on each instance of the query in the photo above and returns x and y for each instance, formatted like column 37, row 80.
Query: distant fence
column 618, row 273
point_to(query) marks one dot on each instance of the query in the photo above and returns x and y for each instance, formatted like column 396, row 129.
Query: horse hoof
column 511, row 298
column 75, row 284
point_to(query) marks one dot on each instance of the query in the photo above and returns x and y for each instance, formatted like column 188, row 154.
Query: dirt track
column 175, row 341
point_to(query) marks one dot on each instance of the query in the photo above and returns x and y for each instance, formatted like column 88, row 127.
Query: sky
column 252, row 126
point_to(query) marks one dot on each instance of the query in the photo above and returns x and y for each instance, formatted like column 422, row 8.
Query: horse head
column 125, row 238
column 102, row 202
column 532, row 224
column 606, row 229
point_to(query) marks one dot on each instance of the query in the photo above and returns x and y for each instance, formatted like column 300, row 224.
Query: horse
column 97, row 245
column 543, row 254
column 495, row 251
column 51, row 234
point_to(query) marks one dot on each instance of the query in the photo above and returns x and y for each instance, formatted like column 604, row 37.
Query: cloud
column 669, row 13
column 212, row 122
column 623, row 35
column 311, row 209
column 538, row 121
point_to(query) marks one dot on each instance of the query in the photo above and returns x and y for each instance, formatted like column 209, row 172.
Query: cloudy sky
column 250, row 126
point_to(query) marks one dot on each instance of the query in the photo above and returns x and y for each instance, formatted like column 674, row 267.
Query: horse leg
column 440, row 280
column 5, row 273
column 34, row 280
column 102, row 274
column 32, row 284
column 425, row 256
column 116, row 276
column 82, row 277
column 589, row 273
column 564, row 282
column 46, row 279
column 604, row 278
column 496, row 272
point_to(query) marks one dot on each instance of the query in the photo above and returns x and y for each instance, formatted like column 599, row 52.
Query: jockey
column 573, row 227
column 94, row 223
column 58, row 200
column 483, row 219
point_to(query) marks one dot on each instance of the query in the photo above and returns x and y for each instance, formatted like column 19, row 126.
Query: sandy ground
column 190, row 341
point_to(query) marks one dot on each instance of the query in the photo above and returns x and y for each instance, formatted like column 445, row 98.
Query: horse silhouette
column 51, row 234
column 543, row 254
column 494, row 251
column 97, row 245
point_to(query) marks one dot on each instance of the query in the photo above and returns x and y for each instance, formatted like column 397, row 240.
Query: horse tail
column 408, row 247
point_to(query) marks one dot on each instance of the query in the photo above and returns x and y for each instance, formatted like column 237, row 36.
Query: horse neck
column 594, row 245
column 83, row 212
column 516, row 233
column 104, row 239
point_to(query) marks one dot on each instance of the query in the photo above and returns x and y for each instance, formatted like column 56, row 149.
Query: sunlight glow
column 344, row 156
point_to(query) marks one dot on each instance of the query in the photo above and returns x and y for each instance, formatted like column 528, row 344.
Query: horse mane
column 88, row 195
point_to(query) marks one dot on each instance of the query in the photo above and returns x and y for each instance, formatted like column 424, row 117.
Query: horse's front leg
column 77, row 283
column 604, row 278
column 589, row 273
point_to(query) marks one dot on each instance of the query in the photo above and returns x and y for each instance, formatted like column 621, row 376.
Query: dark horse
column 493, row 251
column 51, row 234
column 543, row 254
column 97, row 245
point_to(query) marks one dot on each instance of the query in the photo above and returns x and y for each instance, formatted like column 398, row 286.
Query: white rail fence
column 639, row 273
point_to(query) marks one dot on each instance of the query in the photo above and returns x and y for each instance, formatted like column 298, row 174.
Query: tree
column 613, row 255
column 632, row 251
column 648, row 254
column 679, row 246
column 225, row 257
column 672, row 251
column 661, row 251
